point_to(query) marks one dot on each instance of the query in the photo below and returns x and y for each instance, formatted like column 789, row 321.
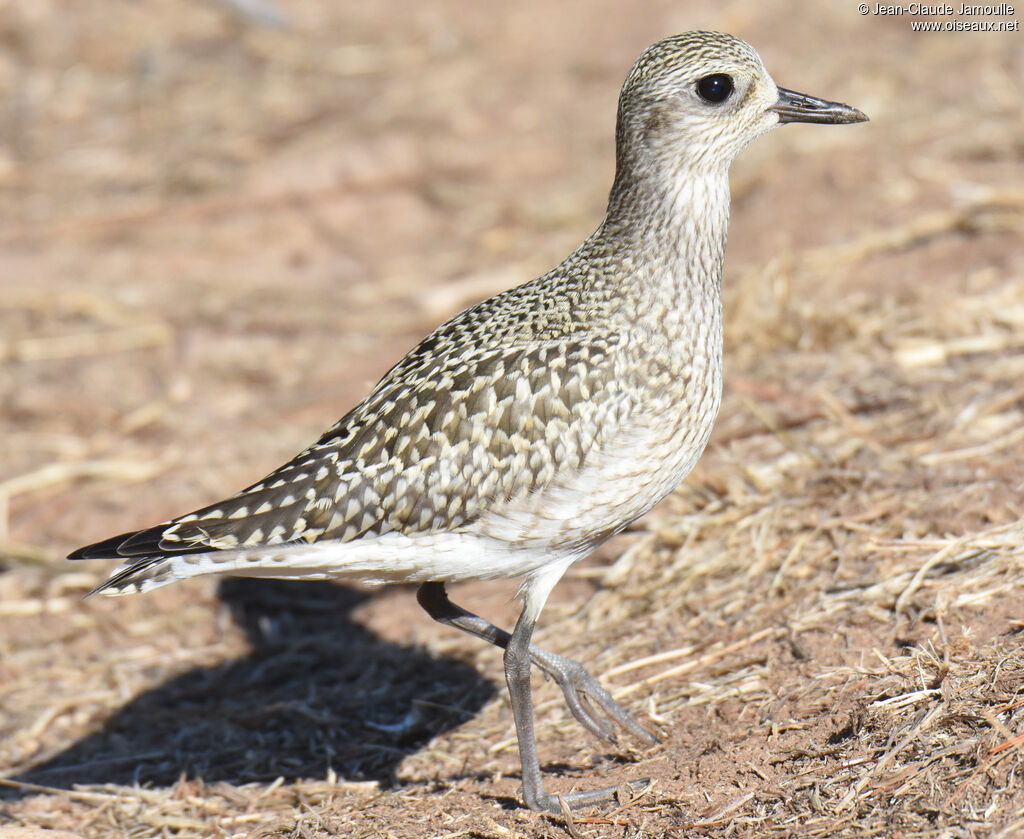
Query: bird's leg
column 578, row 686
column 517, row 675
column 518, row 655
column 581, row 690
column 434, row 600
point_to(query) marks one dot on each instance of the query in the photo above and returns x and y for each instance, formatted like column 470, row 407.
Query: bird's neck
column 673, row 225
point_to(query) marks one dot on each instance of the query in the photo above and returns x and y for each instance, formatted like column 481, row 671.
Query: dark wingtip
column 107, row 549
column 136, row 544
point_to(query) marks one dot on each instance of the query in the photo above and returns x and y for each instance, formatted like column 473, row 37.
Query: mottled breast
column 648, row 420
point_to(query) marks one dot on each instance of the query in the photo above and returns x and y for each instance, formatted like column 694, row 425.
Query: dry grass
column 219, row 235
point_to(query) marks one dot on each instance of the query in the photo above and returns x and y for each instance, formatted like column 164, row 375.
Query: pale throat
column 677, row 234
column 695, row 207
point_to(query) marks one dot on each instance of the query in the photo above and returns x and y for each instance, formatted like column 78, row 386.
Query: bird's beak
column 799, row 107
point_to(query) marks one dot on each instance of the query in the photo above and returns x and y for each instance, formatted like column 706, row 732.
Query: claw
column 552, row 803
column 582, row 692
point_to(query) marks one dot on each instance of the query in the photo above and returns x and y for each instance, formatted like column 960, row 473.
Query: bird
column 531, row 427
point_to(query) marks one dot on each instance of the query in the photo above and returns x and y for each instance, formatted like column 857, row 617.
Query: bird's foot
column 589, row 702
column 543, row 801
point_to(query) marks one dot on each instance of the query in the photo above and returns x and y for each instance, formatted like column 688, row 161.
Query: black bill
column 799, row 107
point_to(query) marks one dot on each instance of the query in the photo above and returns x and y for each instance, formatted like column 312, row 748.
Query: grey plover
column 531, row 427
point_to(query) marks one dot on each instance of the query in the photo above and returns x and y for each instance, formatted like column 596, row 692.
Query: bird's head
column 696, row 99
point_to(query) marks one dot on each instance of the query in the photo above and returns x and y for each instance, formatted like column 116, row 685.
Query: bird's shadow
column 317, row 693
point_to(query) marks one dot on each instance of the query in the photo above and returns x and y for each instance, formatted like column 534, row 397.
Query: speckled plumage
column 504, row 424
column 544, row 419
column 534, row 425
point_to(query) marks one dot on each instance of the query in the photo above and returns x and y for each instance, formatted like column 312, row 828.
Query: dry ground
column 215, row 236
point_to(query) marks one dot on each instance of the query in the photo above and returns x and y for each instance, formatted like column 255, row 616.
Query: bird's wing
column 439, row 439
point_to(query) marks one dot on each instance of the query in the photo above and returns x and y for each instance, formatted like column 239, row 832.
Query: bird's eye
column 715, row 88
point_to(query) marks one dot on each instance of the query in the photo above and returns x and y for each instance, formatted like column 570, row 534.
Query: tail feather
column 141, row 574
column 391, row 558
column 149, row 560
column 134, row 576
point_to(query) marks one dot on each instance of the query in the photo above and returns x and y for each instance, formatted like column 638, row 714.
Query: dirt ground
column 215, row 235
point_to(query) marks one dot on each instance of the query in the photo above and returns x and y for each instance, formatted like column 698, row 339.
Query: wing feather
column 436, row 442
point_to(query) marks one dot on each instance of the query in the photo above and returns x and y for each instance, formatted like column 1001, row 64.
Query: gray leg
column 578, row 686
column 581, row 690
